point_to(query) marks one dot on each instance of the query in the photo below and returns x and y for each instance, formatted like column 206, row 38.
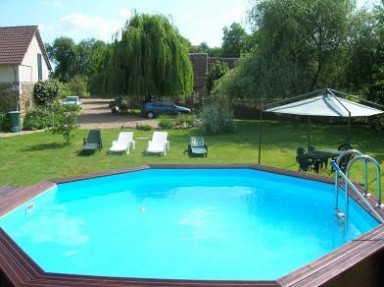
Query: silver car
column 72, row 100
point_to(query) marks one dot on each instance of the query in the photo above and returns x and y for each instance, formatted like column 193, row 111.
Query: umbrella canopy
column 326, row 104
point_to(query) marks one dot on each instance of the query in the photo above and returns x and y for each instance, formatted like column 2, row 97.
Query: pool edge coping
column 17, row 265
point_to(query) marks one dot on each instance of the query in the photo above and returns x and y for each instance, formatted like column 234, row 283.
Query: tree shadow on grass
column 47, row 146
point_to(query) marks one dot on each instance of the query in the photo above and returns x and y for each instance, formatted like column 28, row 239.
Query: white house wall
column 7, row 74
column 26, row 74
column 28, row 69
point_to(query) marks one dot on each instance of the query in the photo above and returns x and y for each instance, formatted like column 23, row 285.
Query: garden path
column 96, row 114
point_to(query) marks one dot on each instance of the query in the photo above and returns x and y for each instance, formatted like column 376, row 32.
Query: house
column 23, row 62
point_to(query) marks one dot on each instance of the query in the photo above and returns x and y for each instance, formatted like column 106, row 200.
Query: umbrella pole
column 260, row 134
column 349, row 127
column 309, row 131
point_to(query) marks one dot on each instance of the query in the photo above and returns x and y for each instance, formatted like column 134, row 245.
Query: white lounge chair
column 124, row 143
column 159, row 143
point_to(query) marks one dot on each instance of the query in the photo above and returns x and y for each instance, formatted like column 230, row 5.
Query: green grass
column 28, row 159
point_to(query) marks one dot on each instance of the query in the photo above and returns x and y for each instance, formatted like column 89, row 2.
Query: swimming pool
column 186, row 224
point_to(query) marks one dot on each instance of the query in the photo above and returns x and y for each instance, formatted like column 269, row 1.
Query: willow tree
column 151, row 59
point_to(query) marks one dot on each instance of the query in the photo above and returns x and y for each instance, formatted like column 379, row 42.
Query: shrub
column 64, row 90
column 184, row 122
column 5, row 122
column 181, row 122
column 216, row 70
column 166, row 123
column 65, row 120
column 39, row 118
column 143, row 127
column 78, row 86
column 68, row 108
column 217, row 118
column 46, row 92
column 57, row 118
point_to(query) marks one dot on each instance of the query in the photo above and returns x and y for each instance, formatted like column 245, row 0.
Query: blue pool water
column 219, row 224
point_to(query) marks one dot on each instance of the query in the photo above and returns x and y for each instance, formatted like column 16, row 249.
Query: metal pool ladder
column 348, row 185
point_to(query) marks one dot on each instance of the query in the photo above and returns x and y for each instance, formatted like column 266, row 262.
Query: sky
column 197, row 20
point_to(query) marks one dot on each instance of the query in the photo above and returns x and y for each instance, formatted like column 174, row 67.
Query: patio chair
column 343, row 146
column 123, row 144
column 92, row 142
column 197, row 147
column 159, row 143
column 303, row 159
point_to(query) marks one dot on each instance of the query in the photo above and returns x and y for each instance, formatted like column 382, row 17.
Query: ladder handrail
column 344, row 153
column 376, row 164
column 347, row 152
column 356, row 191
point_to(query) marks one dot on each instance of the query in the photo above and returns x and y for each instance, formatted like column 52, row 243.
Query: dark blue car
column 155, row 108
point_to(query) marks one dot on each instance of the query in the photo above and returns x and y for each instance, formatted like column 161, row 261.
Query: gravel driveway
column 97, row 114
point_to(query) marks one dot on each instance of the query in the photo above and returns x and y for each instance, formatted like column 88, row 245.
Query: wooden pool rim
column 357, row 263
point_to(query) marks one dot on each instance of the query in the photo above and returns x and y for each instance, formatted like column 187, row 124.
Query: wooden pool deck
column 12, row 196
column 355, row 264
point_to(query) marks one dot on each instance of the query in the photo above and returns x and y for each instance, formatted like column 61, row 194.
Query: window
column 39, row 68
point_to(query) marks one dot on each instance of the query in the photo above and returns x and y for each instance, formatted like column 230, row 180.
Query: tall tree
column 84, row 52
column 97, row 81
column 326, row 23
column 307, row 33
column 234, row 41
column 204, row 48
column 300, row 46
column 72, row 60
column 150, row 60
column 363, row 45
column 64, row 55
column 376, row 90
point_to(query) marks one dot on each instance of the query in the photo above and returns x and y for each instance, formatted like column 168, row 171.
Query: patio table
column 322, row 156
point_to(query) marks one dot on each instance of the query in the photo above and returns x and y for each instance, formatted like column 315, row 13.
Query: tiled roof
column 14, row 43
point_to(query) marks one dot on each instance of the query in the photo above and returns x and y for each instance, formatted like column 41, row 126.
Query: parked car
column 72, row 100
column 155, row 108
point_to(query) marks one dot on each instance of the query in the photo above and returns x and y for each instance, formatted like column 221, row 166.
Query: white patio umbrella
column 324, row 103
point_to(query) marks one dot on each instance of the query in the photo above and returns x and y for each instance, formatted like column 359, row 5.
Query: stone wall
column 200, row 69
column 26, row 100
column 10, row 100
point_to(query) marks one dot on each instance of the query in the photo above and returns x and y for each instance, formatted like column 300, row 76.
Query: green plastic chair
column 197, row 147
column 92, row 142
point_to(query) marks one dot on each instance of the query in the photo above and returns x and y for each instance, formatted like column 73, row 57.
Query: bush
column 64, row 90
column 217, row 118
column 46, row 92
column 68, row 108
column 376, row 93
column 143, row 127
column 181, row 122
column 184, row 122
column 5, row 122
column 55, row 117
column 78, row 86
column 65, row 120
column 166, row 123
column 39, row 118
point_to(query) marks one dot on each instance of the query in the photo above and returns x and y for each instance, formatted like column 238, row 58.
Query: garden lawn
column 28, row 159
